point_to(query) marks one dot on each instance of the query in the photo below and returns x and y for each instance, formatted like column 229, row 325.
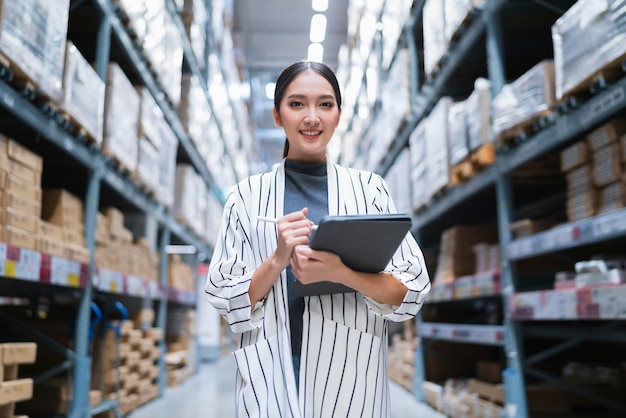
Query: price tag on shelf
column 110, row 281
column 29, row 265
column 154, row 290
column 58, row 271
column 609, row 224
column 135, row 286
column 558, row 237
column 3, row 259
column 520, row 247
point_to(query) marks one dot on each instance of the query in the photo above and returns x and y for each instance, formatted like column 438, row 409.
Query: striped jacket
column 343, row 370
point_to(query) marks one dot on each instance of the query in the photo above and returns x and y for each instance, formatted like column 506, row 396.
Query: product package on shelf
column 189, row 193
column 394, row 17
column 167, row 165
column 164, row 49
column 195, row 19
column 456, row 255
column 150, row 118
column 435, row 44
column 457, row 126
column 399, row 182
column 589, row 41
column 522, row 102
column 20, row 194
column 457, row 13
column 419, row 166
column 478, row 110
column 147, row 165
column 83, row 95
column 62, row 208
column 437, row 146
column 122, row 107
column 582, row 195
column 32, row 37
column 194, row 112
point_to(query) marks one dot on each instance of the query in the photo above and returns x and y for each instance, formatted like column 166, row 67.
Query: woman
column 315, row 356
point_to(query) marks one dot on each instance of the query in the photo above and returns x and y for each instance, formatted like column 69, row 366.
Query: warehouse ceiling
column 272, row 34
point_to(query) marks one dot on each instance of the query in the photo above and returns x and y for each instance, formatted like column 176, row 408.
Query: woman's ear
column 276, row 116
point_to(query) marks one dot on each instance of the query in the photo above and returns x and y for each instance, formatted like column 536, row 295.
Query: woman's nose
column 311, row 117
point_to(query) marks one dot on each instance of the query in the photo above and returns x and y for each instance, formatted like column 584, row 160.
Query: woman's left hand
column 311, row 266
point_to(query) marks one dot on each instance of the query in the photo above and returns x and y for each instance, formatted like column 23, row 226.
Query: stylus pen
column 274, row 220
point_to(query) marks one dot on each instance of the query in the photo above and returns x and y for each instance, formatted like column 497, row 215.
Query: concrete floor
column 210, row 393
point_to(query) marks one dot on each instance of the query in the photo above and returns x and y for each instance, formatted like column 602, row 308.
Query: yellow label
column 10, row 268
column 73, row 280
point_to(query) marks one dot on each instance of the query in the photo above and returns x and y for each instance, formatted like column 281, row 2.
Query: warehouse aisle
column 209, row 393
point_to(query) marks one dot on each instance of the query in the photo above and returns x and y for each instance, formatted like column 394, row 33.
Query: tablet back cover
column 363, row 242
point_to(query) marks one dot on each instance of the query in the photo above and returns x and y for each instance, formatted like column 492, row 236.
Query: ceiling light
column 316, row 52
column 318, row 28
column 320, row 5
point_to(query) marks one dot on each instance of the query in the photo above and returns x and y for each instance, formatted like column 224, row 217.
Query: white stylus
column 274, row 220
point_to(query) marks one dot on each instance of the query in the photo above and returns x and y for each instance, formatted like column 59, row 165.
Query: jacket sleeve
column 407, row 264
column 229, row 275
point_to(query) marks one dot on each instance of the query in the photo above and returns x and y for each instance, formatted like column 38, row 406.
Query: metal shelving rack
column 568, row 125
column 91, row 279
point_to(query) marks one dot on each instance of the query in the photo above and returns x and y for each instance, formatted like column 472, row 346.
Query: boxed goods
column 437, row 148
column 435, row 43
column 588, row 38
column 525, row 99
column 32, row 36
column 83, row 94
column 121, row 118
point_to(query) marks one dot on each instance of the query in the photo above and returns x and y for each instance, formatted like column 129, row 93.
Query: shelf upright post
column 80, row 407
column 162, row 312
column 414, row 74
column 419, row 374
column 103, row 46
column 513, row 376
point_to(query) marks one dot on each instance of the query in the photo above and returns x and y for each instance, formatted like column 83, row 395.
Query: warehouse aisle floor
column 209, row 393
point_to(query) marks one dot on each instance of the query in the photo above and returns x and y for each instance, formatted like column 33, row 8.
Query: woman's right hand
column 293, row 229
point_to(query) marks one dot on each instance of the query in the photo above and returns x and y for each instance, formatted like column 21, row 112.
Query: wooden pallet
column 477, row 160
column 73, row 126
column 597, row 81
column 523, row 130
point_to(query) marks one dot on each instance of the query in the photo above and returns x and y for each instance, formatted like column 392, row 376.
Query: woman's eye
column 327, row 104
column 295, row 104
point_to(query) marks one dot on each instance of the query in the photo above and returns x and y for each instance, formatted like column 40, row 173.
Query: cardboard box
column 51, row 230
column 21, row 171
column 51, row 246
column 15, row 200
column 25, row 190
column 19, row 237
column 62, row 208
column 16, row 390
column 20, row 153
column 18, row 353
column 574, row 156
column 18, row 219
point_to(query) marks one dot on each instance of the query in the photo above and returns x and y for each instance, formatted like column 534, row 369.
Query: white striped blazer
column 343, row 371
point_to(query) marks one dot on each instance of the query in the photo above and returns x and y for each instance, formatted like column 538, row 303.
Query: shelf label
column 3, row 259
column 29, row 265
column 609, row 224
column 110, row 281
column 603, row 104
column 558, row 237
column 520, row 247
column 58, row 271
column 135, row 286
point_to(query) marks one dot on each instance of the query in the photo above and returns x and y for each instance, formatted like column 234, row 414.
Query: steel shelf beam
column 461, row 333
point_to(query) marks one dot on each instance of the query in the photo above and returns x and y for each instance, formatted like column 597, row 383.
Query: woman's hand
column 293, row 229
column 311, row 266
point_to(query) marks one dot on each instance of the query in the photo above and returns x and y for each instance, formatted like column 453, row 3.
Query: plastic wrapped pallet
column 478, row 112
column 148, row 164
column 435, row 44
column 457, row 126
column 164, row 49
column 83, row 93
column 437, row 146
column 33, row 35
column 194, row 110
column 121, row 119
column 590, row 36
column 167, row 165
column 526, row 98
column 399, row 182
column 419, row 167
column 195, row 19
column 456, row 12
column 150, row 118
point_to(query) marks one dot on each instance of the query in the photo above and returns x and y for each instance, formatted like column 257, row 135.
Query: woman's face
column 309, row 115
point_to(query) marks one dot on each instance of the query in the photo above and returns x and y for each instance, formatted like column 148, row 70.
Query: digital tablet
column 363, row 242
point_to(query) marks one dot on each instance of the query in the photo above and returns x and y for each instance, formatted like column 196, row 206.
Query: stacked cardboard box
column 20, row 194
column 148, row 156
column 126, row 366
column 594, row 172
column 116, row 250
column 456, row 256
column 401, row 361
column 180, row 274
column 181, row 354
column 62, row 213
column 12, row 389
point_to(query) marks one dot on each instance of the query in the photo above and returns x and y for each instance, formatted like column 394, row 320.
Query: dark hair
column 290, row 73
